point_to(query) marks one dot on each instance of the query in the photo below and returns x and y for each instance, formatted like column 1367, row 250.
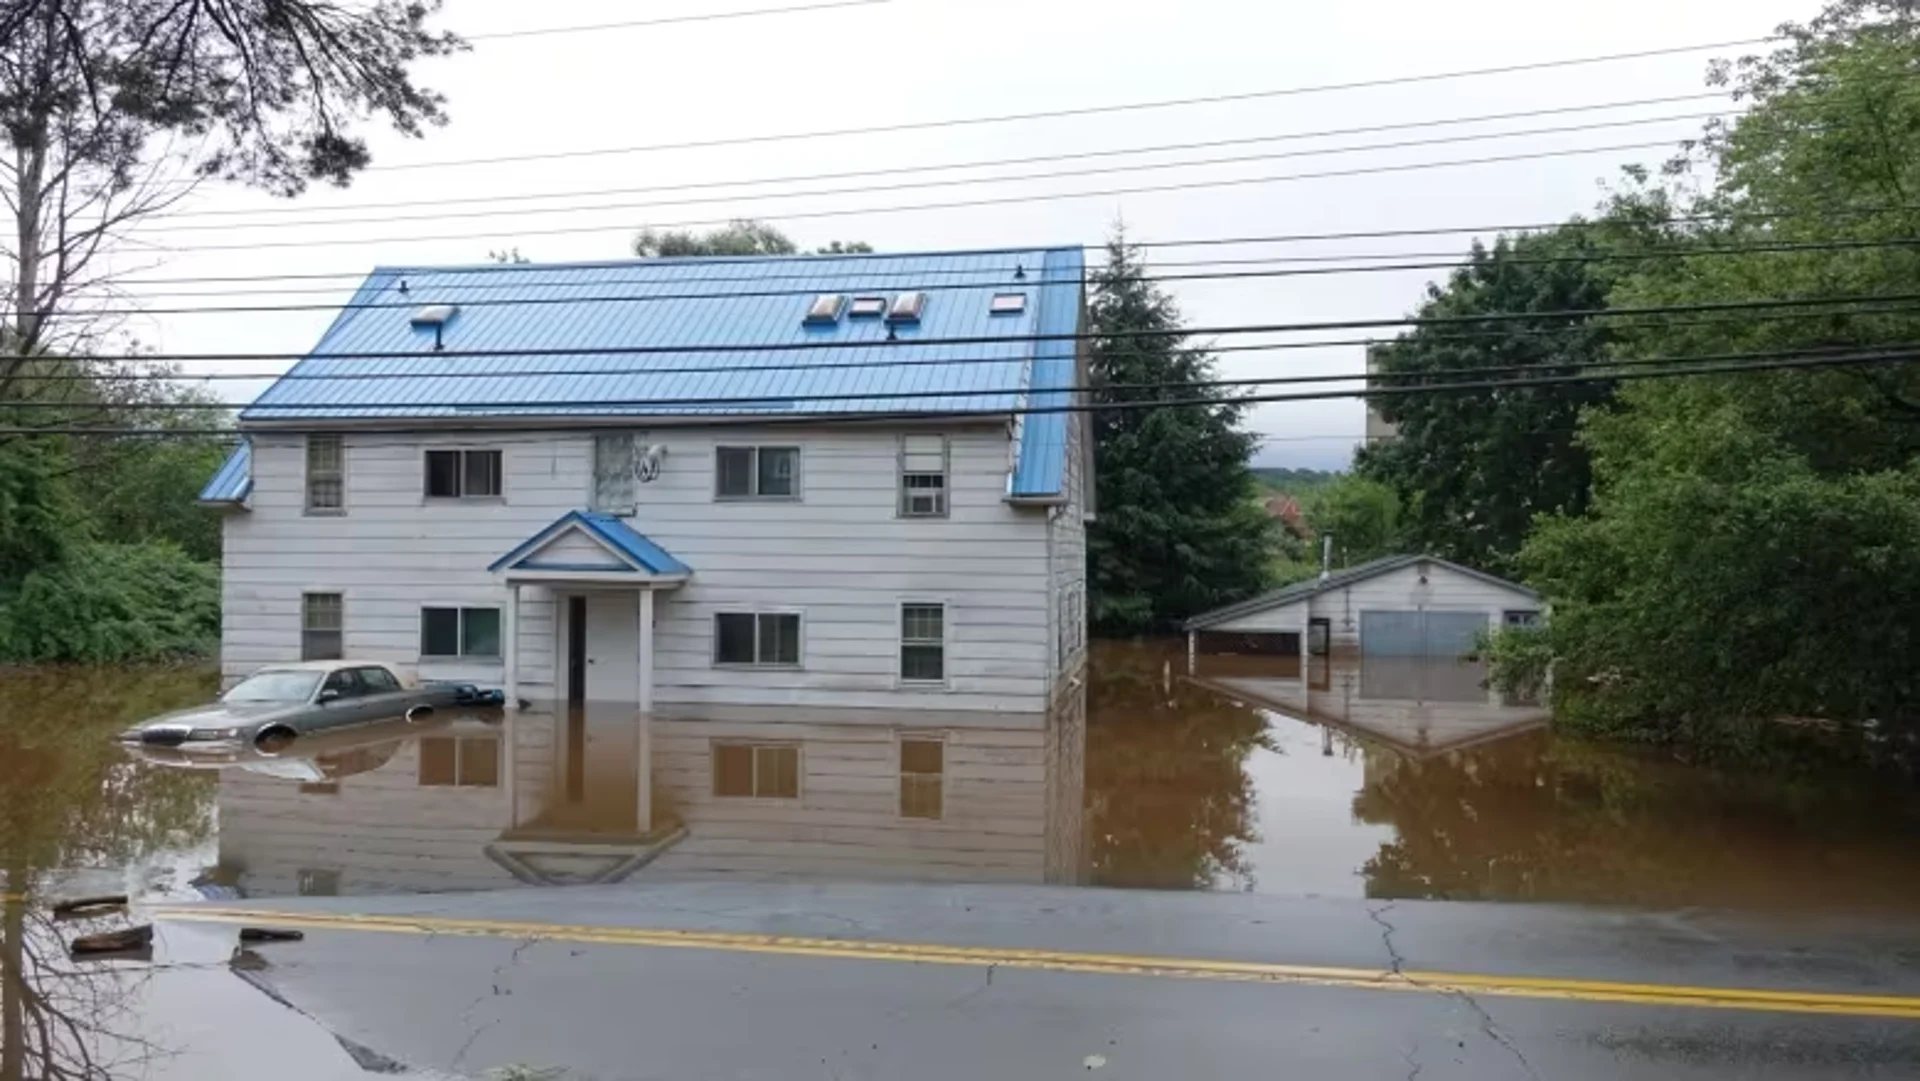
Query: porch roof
column 622, row 549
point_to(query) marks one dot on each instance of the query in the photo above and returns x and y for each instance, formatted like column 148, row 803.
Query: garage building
column 1397, row 606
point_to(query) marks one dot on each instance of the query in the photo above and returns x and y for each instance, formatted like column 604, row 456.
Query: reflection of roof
column 1299, row 591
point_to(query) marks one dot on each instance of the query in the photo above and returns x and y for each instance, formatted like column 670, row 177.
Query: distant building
column 1378, row 427
column 1285, row 509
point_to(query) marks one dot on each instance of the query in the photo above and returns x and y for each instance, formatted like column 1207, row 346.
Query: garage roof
column 1300, row 591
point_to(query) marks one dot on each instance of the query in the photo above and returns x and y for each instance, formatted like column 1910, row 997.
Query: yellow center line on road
column 1535, row 987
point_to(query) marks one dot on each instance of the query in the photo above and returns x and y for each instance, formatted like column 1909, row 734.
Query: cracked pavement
column 476, row 1003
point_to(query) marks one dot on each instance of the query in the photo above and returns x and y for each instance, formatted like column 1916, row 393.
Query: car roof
column 319, row 666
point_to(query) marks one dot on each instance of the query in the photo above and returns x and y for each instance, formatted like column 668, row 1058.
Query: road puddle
column 1389, row 779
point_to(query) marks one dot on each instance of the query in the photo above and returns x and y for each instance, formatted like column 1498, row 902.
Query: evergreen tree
column 1180, row 529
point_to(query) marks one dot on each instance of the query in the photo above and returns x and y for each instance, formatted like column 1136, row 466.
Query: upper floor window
column 923, row 643
column 463, row 474
column 460, row 632
column 757, row 638
column 757, row 473
column 326, row 475
column 322, row 616
column 923, row 476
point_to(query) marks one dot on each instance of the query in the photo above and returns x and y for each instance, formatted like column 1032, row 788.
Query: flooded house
column 785, row 492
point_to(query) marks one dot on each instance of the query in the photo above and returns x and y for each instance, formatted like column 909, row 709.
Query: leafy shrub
column 113, row 603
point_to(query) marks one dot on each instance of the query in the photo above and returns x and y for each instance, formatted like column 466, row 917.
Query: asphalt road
column 758, row 979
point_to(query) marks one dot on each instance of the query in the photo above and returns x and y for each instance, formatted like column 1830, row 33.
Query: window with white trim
column 756, row 770
column 460, row 762
column 756, row 473
column 923, row 767
column 923, row 476
column 322, row 624
column 1521, row 617
column 760, row 639
column 326, row 475
column 923, row 643
column 463, row 474
column 460, row 632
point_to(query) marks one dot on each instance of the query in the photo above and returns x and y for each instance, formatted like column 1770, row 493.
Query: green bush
column 113, row 603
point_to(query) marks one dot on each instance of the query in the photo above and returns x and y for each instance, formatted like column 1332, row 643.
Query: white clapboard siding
column 1286, row 617
column 839, row 554
column 1446, row 590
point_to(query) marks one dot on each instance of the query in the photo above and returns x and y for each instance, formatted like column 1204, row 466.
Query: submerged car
column 280, row 703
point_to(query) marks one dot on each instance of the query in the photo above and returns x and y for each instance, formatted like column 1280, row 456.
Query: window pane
column 439, row 761
column 922, row 622
column 480, row 763
column 777, row 772
column 482, row 473
column 320, row 646
column 733, row 634
column 732, row 770
column 321, row 611
column 323, row 454
column 378, row 680
column 440, row 632
column 325, row 493
column 480, row 632
column 923, row 663
column 779, row 639
column 443, row 474
column 778, row 465
column 345, row 683
column 920, row 797
column 921, row 755
column 324, row 488
column 735, row 471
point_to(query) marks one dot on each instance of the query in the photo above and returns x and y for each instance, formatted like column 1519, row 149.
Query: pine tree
column 1179, row 528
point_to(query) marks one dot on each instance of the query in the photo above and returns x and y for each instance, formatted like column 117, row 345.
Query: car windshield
column 281, row 686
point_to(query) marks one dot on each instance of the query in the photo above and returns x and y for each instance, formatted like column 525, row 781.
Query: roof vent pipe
column 1019, row 272
column 1326, row 557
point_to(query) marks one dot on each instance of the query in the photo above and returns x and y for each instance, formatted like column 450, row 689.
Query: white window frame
column 903, row 506
column 341, row 595
column 756, row 745
column 338, row 474
column 753, row 473
column 901, row 642
column 1529, row 617
column 900, row 773
column 461, row 632
column 426, row 476
column 756, row 665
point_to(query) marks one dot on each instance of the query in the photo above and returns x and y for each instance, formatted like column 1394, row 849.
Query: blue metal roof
column 614, row 532
column 665, row 304
column 234, row 480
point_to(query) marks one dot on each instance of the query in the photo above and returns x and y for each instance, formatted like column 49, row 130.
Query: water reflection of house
column 597, row 794
column 1417, row 706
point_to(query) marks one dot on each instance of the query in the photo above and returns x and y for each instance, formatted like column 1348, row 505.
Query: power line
column 516, row 197
column 1837, row 354
column 716, row 16
column 1007, row 282
column 1475, row 386
column 1742, row 305
column 1046, row 197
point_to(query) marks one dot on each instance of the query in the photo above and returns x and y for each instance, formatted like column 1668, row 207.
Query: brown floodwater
column 1339, row 779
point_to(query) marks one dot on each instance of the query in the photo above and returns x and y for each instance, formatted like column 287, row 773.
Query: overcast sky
column 915, row 60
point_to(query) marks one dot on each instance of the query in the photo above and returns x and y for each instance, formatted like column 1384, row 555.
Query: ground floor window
column 756, row 770
column 322, row 622
column 456, row 762
column 768, row 639
column 460, row 632
column 922, row 776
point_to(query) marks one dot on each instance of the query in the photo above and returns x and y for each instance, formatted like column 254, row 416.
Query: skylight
column 867, row 308
column 434, row 315
column 1008, row 303
column 826, row 309
column 907, row 308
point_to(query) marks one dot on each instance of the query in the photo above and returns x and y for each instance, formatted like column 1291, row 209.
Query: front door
column 612, row 648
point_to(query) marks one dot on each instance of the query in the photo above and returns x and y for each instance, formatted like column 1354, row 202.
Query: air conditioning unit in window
column 929, row 501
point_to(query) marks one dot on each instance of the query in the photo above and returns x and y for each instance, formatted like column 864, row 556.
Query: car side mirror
column 327, row 695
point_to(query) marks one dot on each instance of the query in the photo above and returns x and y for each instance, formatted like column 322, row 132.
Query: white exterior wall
column 1447, row 590
column 1067, row 559
column 840, row 555
column 1287, row 617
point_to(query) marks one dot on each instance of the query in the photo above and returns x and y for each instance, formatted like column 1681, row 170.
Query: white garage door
column 1419, row 634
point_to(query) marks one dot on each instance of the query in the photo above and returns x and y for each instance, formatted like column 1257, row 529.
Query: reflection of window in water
column 447, row 761
column 756, row 770
column 320, row 788
column 1424, row 679
column 922, row 769
column 315, row 883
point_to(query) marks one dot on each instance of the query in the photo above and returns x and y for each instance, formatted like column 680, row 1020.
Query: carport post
column 1193, row 648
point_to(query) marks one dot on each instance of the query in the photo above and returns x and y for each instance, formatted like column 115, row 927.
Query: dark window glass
column 732, row 770
column 733, row 638
column 443, row 474
column 439, row 761
column 928, row 663
column 379, row 681
column 482, row 473
column 345, row 683
column 778, row 467
column 779, row 639
column 480, row 632
column 440, row 632
column 321, row 615
column 735, row 471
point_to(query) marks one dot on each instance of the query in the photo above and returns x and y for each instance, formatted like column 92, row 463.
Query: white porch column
column 645, row 695
column 510, row 646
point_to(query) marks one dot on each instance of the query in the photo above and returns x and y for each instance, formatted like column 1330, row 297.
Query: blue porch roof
column 615, row 533
column 685, row 318
column 234, row 480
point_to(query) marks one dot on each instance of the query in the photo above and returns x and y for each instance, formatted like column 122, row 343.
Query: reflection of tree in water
column 70, row 798
column 1535, row 818
column 1169, row 803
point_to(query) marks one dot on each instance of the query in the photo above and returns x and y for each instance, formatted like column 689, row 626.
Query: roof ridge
column 716, row 260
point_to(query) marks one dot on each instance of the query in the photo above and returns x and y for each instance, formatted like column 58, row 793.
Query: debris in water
column 83, row 907
column 114, row 943
column 1094, row 1062
column 270, row 934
